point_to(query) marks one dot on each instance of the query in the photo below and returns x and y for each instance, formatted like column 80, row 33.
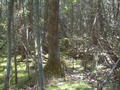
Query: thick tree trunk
column 53, row 65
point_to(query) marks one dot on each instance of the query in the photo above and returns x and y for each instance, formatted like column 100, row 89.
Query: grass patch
column 71, row 86
column 1, row 86
column 22, row 73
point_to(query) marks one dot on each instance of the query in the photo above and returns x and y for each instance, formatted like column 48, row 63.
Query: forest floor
column 75, row 79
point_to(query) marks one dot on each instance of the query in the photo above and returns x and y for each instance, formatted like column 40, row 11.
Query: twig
column 108, row 75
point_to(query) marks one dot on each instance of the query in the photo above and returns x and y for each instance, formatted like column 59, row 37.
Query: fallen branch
column 108, row 75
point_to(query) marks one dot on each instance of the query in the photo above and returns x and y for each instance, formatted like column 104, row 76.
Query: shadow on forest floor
column 76, row 78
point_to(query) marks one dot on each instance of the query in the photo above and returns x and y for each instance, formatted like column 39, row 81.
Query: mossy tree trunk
column 53, row 65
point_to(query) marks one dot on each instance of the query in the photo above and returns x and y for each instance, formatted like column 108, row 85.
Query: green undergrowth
column 22, row 73
column 24, row 81
column 71, row 86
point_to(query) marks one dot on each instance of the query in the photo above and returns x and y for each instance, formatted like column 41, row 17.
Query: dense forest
column 59, row 44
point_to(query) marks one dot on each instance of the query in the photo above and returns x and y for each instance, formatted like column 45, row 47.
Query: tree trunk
column 10, row 18
column 14, row 51
column 44, row 38
column 38, row 33
column 53, row 65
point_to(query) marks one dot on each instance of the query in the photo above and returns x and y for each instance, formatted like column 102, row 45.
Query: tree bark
column 53, row 65
column 10, row 18
column 38, row 33
column 14, row 51
column 44, row 38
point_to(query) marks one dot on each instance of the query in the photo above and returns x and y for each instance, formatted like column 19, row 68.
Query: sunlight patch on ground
column 3, row 64
column 1, row 86
column 70, row 86
column 21, row 66
column 22, row 74
column 18, row 57
column 1, row 75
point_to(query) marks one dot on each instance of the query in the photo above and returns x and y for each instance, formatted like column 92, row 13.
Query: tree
column 53, row 65
column 10, row 18
column 44, row 38
column 38, row 33
column 14, row 51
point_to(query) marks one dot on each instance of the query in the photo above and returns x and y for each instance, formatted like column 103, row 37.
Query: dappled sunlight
column 59, row 45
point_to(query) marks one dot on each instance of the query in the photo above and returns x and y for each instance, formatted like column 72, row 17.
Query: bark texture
column 53, row 66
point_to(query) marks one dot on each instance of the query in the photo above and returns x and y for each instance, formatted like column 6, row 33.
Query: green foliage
column 71, row 86
column 75, row 1
column 53, row 88
column 22, row 74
